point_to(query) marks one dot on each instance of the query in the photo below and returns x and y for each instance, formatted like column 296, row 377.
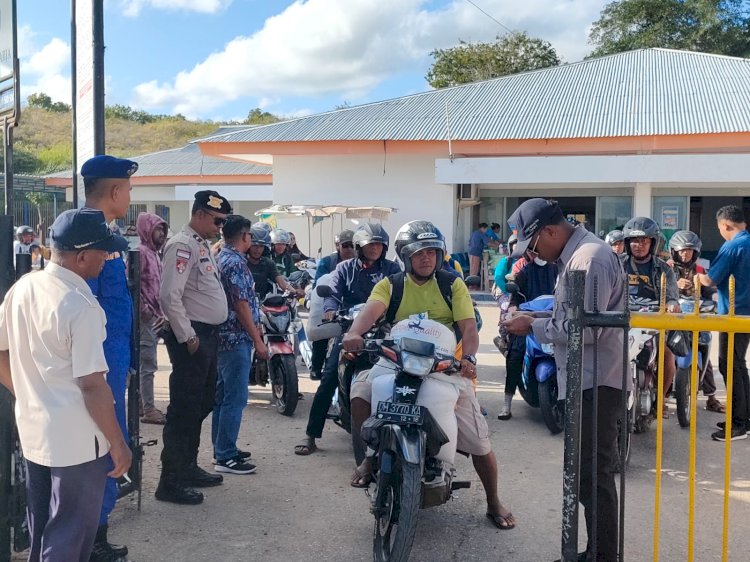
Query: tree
column 259, row 117
column 38, row 199
column 710, row 26
column 470, row 62
column 43, row 101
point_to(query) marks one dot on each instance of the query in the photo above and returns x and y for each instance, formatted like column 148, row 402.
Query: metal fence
column 580, row 320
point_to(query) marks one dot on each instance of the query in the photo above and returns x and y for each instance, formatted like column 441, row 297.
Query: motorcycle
column 644, row 356
column 682, row 382
column 412, row 430
column 539, row 373
column 280, row 324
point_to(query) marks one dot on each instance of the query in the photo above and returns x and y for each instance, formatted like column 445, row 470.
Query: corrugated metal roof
column 644, row 92
column 187, row 161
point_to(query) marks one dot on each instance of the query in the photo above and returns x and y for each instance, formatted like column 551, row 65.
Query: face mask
column 540, row 262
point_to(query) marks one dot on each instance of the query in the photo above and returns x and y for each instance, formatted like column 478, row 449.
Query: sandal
column 362, row 476
column 503, row 522
column 504, row 414
column 306, row 447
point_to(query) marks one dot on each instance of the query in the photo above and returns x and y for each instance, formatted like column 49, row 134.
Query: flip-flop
column 305, row 447
column 360, row 480
column 502, row 522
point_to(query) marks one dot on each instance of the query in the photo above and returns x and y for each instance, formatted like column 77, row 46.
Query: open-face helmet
column 280, row 236
column 685, row 240
column 24, row 229
column 419, row 235
column 614, row 236
column 642, row 227
column 369, row 233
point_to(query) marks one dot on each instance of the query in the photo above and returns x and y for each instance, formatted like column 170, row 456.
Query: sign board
column 8, row 58
column 84, row 88
column 670, row 216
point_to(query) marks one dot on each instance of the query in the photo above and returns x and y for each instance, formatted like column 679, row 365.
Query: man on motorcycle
column 280, row 254
column 421, row 248
column 351, row 283
column 616, row 241
column 263, row 268
column 644, row 270
column 685, row 248
column 543, row 231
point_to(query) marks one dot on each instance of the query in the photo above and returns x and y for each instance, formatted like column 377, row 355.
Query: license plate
column 400, row 413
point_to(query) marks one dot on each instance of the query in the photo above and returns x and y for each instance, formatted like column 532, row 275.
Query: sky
column 218, row 59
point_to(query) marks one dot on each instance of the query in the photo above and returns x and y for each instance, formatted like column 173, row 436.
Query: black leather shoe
column 175, row 492
column 195, row 477
column 104, row 551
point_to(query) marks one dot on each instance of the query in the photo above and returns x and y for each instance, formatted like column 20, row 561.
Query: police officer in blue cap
column 106, row 180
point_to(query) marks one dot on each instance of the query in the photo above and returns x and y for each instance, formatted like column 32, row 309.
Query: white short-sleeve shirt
column 54, row 330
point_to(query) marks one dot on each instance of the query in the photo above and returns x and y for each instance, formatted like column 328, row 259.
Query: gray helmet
column 344, row 236
column 370, row 234
column 280, row 236
column 24, row 229
column 614, row 236
column 642, row 227
column 260, row 234
column 685, row 240
column 512, row 241
column 419, row 235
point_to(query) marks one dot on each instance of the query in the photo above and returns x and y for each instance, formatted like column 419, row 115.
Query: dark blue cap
column 84, row 229
column 104, row 166
column 528, row 219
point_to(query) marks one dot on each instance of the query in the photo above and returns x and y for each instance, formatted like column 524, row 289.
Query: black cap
column 84, row 229
column 105, row 166
column 212, row 201
column 530, row 218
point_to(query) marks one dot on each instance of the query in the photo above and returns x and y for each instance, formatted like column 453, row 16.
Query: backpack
column 445, row 284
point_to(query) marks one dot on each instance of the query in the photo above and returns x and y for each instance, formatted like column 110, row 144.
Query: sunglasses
column 218, row 221
column 347, row 245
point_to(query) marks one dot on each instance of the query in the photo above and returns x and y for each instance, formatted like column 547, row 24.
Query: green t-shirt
column 427, row 298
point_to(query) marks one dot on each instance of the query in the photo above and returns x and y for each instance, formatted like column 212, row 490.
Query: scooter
column 644, row 356
column 682, row 381
column 280, row 324
column 413, row 430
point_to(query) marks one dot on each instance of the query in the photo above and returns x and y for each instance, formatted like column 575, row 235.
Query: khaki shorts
column 473, row 432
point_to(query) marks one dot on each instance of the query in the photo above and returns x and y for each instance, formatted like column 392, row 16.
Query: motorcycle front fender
column 409, row 442
column 684, row 362
column 280, row 348
column 545, row 369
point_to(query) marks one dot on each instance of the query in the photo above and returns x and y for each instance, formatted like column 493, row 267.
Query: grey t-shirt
column 584, row 251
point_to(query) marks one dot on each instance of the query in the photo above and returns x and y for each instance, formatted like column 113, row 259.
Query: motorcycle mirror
column 511, row 288
column 324, row 291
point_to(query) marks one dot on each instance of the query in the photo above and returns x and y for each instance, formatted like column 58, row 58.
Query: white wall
column 406, row 182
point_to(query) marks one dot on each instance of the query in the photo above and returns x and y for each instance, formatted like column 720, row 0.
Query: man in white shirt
column 52, row 360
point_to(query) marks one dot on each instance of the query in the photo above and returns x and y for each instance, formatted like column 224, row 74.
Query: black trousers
column 319, row 350
column 329, row 381
column 192, row 387
column 610, row 404
column 514, row 363
column 740, row 383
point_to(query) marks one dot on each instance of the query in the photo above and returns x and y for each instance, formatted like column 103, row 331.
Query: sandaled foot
column 306, row 447
column 665, row 413
column 713, row 405
column 503, row 519
column 362, row 476
column 505, row 414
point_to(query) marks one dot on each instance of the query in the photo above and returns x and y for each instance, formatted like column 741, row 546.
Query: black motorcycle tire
column 553, row 417
column 683, row 396
column 345, row 416
column 405, row 493
column 284, row 384
column 529, row 396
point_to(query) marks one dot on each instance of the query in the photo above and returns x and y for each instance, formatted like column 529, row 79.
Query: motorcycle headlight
column 548, row 349
column 417, row 365
column 279, row 323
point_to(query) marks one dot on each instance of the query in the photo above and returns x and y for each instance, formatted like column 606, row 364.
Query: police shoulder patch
column 184, row 254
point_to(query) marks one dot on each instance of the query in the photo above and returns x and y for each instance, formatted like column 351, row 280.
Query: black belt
column 207, row 329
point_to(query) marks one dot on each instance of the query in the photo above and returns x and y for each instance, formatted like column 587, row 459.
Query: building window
column 614, row 212
column 162, row 211
column 671, row 214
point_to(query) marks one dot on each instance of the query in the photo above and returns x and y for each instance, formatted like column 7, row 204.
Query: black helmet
column 685, row 240
column 419, row 235
column 370, row 234
column 642, row 227
column 344, row 236
column 25, row 229
column 260, row 234
column 614, row 236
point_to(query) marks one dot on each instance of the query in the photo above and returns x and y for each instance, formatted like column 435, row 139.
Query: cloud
column 45, row 69
column 318, row 48
column 133, row 7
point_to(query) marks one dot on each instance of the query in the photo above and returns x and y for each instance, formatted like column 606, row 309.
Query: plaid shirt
column 239, row 286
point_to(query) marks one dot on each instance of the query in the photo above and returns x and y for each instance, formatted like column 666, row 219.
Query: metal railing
column 578, row 320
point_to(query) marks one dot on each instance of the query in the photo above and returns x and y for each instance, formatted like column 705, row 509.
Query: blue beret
column 84, row 229
column 105, row 166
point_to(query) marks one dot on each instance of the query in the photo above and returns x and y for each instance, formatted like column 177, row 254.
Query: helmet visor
column 410, row 249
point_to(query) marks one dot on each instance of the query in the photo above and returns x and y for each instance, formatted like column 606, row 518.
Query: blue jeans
column 231, row 398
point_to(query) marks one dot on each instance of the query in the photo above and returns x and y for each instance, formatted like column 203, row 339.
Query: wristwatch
column 191, row 340
column 471, row 359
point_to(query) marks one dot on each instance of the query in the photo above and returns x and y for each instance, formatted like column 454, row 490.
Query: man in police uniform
column 194, row 302
column 106, row 180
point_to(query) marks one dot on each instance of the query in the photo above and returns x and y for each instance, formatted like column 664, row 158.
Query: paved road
column 302, row 508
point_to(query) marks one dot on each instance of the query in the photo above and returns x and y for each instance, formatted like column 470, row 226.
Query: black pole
column 595, row 434
column 98, row 23
column 134, row 383
column 74, row 98
column 624, row 429
column 8, row 163
column 7, row 418
column 572, row 454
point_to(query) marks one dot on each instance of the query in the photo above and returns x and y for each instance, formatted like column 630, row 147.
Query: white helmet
column 417, row 327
